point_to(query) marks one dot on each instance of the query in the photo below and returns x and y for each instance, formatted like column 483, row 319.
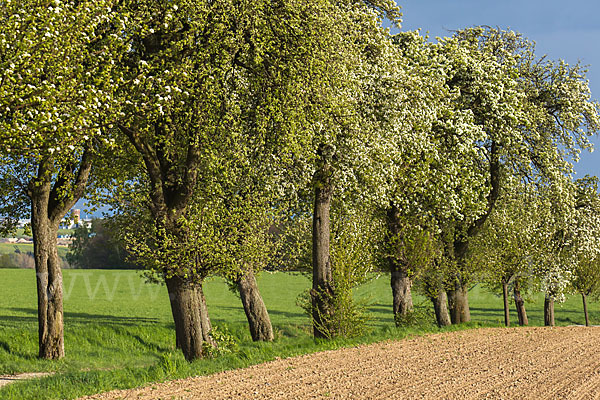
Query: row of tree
column 234, row 136
column 540, row 240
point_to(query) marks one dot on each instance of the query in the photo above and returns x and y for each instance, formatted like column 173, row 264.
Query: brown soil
column 514, row 363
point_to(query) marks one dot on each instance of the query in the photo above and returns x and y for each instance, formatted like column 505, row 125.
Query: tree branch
column 461, row 243
column 63, row 197
column 158, row 205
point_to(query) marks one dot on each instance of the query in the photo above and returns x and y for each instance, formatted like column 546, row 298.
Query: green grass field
column 119, row 334
column 19, row 233
column 6, row 248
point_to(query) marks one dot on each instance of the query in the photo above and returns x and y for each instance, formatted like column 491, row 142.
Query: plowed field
column 516, row 363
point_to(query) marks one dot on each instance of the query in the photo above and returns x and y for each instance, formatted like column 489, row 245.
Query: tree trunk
column 585, row 309
column 399, row 278
column 548, row 311
column 451, row 306
column 256, row 312
column 192, row 324
column 440, row 306
column 49, row 279
column 49, row 204
column 458, row 301
column 520, row 305
column 505, row 298
column 401, row 285
column 322, row 286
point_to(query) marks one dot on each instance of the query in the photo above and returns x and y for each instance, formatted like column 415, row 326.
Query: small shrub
column 354, row 254
column 226, row 342
column 422, row 316
column 346, row 317
column 168, row 363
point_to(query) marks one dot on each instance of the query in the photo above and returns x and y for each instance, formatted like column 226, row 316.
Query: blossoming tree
column 55, row 97
column 533, row 114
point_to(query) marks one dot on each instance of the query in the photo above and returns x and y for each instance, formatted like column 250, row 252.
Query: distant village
column 73, row 221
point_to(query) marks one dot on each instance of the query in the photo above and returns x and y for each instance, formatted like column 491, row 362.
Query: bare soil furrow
column 497, row 363
column 562, row 381
column 554, row 367
column 589, row 387
column 517, row 369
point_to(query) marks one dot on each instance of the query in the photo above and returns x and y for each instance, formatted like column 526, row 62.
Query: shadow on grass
column 6, row 347
column 151, row 346
column 285, row 314
column 380, row 308
column 80, row 317
column 12, row 320
column 26, row 356
column 486, row 311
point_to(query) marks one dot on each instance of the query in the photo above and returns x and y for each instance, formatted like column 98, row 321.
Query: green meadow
column 7, row 248
column 20, row 233
column 119, row 333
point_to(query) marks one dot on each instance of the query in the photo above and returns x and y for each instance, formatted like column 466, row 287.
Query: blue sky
column 567, row 30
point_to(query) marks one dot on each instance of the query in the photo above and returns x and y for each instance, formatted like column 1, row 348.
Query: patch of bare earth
column 8, row 379
column 498, row 363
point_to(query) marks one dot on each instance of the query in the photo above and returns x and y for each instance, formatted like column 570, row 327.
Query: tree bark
column 49, row 204
column 505, row 298
column 440, row 306
column 520, row 305
column 322, row 286
column 402, row 298
column 192, row 324
column 458, row 301
column 548, row 311
column 399, row 272
column 49, row 281
column 256, row 311
column 585, row 309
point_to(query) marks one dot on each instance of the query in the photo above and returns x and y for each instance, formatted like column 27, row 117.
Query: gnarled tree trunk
column 256, row 311
column 548, row 311
column 458, row 301
column 399, row 275
column 192, row 324
column 402, row 298
column 322, row 286
column 520, row 305
column 505, row 298
column 440, row 306
column 49, row 282
column 585, row 309
column 49, row 204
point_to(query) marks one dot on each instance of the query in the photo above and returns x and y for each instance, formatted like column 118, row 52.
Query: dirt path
column 529, row 363
column 8, row 379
